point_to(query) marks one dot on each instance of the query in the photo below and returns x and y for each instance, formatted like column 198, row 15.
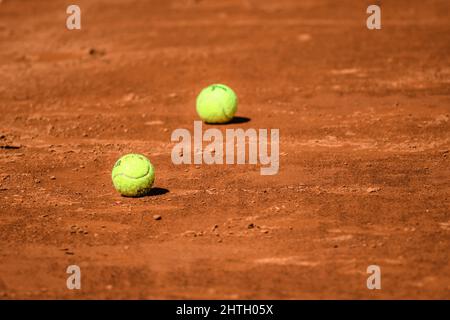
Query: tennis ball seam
column 126, row 178
column 214, row 86
column 125, row 175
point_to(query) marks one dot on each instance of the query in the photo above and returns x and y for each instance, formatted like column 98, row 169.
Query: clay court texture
column 364, row 149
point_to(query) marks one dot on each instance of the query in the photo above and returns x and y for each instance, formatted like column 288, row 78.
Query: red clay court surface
column 364, row 150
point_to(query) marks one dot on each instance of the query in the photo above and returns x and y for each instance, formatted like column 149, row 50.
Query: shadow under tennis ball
column 235, row 120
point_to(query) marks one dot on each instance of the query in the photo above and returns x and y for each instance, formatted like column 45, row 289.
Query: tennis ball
column 217, row 104
column 133, row 175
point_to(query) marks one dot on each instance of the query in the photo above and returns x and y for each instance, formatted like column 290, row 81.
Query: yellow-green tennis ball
column 217, row 104
column 133, row 175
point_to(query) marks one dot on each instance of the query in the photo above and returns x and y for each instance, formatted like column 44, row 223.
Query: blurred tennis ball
column 217, row 104
column 133, row 175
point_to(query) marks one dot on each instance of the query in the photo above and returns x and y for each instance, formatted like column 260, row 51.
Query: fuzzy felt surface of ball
column 133, row 175
column 217, row 103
